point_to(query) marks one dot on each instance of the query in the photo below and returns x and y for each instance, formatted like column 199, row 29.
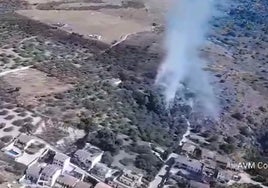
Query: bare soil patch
column 41, row 1
column 109, row 27
column 34, row 84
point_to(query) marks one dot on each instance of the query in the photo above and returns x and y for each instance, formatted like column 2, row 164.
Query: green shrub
column 8, row 129
column 258, row 178
column 6, row 139
column 126, row 161
column 227, row 148
column 107, row 158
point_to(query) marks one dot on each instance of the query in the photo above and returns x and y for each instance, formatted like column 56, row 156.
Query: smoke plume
column 187, row 25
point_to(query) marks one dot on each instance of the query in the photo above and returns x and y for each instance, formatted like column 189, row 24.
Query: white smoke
column 187, row 25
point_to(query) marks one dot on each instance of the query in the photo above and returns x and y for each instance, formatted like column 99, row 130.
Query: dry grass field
column 34, row 84
column 112, row 20
column 109, row 27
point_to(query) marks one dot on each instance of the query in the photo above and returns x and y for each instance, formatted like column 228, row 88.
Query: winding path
column 187, row 133
column 13, row 70
column 162, row 175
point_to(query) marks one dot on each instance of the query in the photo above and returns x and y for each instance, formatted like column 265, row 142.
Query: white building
column 101, row 171
column 224, row 176
column 188, row 148
column 128, row 179
column 33, row 173
column 49, row 175
column 188, row 164
column 102, row 185
column 66, row 181
column 61, row 160
column 82, row 184
column 23, row 141
column 88, row 157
